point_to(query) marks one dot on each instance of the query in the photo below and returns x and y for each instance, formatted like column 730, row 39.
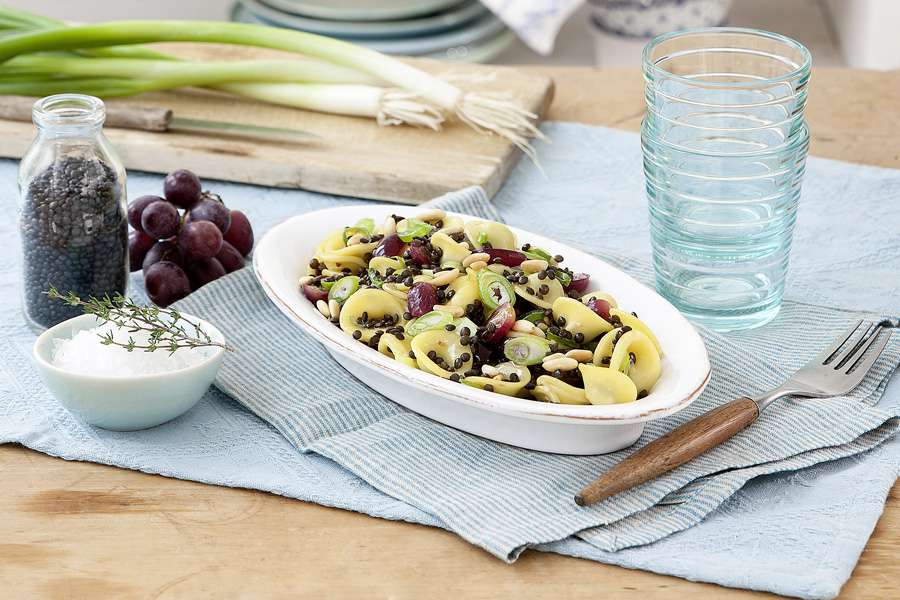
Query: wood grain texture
column 124, row 116
column 685, row 442
column 188, row 540
column 355, row 157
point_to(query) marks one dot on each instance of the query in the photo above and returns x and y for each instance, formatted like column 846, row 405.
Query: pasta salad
column 464, row 301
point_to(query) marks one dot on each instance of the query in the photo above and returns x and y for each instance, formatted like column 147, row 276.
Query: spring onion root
column 485, row 113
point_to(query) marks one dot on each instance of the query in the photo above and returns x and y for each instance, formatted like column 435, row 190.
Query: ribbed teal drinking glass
column 724, row 144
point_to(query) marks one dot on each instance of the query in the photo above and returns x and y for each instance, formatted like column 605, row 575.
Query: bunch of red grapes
column 180, row 253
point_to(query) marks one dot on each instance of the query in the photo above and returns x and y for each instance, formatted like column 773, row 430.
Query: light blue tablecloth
column 798, row 533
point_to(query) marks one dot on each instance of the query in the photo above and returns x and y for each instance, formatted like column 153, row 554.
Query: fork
column 835, row 371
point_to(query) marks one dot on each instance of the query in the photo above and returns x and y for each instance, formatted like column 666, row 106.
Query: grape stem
column 169, row 329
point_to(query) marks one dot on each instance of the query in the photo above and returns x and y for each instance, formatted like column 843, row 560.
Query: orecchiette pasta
column 462, row 301
column 397, row 348
column 607, row 386
column 577, row 318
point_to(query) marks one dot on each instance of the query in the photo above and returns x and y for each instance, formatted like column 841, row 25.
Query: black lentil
column 74, row 235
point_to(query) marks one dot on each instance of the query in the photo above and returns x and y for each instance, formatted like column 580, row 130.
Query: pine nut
column 323, row 308
column 334, row 308
column 523, row 326
column 539, row 332
column 560, row 364
column 543, row 326
column 434, row 214
column 489, row 370
column 389, row 227
column 474, row 257
column 444, row 277
column 535, row 265
column 354, row 239
column 305, row 280
column 554, row 356
column 581, row 355
column 456, row 311
column 478, row 265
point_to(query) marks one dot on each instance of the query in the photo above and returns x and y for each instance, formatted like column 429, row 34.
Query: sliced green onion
column 363, row 227
column 534, row 316
column 327, row 284
column 343, row 288
column 436, row 319
column 494, row 289
column 561, row 341
column 526, row 350
column 539, row 254
column 367, row 225
column 414, row 228
column 482, row 239
column 375, row 278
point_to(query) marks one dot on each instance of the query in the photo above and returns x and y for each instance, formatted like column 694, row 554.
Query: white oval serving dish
column 126, row 402
column 280, row 259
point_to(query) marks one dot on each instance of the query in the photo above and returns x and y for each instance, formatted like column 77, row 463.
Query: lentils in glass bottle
column 73, row 216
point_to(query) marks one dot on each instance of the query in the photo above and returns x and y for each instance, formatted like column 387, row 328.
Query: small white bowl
column 126, row 402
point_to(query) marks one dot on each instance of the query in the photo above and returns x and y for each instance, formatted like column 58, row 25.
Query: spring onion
column 436, row 319
column 494, row 289
column 539, row 254
column 534, row 316
column 375, row 278
column 413, row 228
column 561, row 341
column 483, row 112
column 343, row 288
column 526, row 350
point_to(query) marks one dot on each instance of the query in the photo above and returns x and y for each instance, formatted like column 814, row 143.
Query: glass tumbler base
column 722, row 303
column 724, row 323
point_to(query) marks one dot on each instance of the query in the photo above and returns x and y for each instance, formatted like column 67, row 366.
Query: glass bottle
column 73, row 216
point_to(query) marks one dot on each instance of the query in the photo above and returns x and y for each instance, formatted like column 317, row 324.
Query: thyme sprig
column 168, row 329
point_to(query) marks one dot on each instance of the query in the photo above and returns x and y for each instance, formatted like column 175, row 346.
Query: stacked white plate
column 461, row 30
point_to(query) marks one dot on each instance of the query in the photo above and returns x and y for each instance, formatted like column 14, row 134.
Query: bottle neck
column 69, row 115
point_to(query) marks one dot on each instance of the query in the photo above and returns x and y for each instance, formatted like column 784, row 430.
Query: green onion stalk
column 414, row 88
column 128, row 70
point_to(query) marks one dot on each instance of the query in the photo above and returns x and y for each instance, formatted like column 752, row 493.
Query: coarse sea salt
column 85, row 353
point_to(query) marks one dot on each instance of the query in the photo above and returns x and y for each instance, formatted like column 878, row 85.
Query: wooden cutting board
column 356, row 157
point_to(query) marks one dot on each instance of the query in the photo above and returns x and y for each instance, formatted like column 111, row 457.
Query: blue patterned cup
column 724, row 144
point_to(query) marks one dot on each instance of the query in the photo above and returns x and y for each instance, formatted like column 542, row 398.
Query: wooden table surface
column 79, row 530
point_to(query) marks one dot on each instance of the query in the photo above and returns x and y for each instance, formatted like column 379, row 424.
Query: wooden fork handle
column 677, row 447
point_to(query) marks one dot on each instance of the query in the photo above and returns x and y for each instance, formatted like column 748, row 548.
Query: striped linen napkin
column 797, row 532
column 506, row 499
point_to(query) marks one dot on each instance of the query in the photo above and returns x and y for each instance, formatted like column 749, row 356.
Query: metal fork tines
column 839, row 368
